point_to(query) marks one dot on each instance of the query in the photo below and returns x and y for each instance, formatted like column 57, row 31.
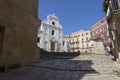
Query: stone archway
column 1, row 38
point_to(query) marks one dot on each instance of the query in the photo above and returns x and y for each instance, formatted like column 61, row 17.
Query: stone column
column 114, row 33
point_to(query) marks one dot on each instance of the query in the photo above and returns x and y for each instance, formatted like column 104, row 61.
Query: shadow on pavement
column 54, row 67
column 65, row 69
column 48, row 55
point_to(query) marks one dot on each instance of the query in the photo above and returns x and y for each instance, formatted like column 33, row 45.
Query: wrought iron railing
column 114, row 5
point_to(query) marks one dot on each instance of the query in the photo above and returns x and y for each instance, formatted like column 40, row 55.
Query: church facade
column 50, row 35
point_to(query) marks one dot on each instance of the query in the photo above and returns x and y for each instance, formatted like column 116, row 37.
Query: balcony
column 76, row 41
column 113, row 8
column 115, row 4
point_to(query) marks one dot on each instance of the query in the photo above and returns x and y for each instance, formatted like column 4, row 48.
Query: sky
column 74, row 15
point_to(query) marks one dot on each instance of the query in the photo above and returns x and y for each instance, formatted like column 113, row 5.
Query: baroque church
column 50, row 35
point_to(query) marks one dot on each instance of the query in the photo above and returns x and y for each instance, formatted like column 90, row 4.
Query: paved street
column 83, row 67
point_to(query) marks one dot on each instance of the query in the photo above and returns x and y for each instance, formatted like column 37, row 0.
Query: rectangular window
column 96, row 32
column 52, row 32
column 82, row 40
column 83, row 46
column 87, row 38
column 119, row 4
column 87, row 45
column 101, row 29
column 82, row 34
column 115, row 4
column 63, row 43
column 38, row 40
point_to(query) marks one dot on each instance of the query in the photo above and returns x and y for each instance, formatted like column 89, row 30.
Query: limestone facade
column 79, row 41
column 18, row 32
column 50, row 35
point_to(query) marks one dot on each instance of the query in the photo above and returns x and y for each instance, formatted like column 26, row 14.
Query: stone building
column 50, row 35
column 100, row 30
column 18, row 32
column 97, row 46
column 79, row 41
column 112, row 9
column 85, row 36
column 100, row 33
column 73, row 39
column 66, row 45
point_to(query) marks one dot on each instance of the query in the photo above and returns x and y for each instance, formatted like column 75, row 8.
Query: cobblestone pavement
column 83, row 67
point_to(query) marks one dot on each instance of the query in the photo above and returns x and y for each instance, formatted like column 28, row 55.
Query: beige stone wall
column 76, row 40
column 19, row 18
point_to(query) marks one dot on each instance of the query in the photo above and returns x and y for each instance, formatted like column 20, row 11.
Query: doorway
column 52, row 46
column 1, row 39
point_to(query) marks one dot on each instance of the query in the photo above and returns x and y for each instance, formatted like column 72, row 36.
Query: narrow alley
column 82, row 67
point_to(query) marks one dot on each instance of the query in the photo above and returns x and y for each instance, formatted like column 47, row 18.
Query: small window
column 92, row 34
column 53, row 23
column 87, row 38
column 52, row 32
column 96, row 32
column 86, row 33
column 38, row 40
column 82, row 34
column 82, row 46
column 77, row 39
column 102, row 21
column 63, row 43
column 87, row 45
column 82, row 40
column 101, row 29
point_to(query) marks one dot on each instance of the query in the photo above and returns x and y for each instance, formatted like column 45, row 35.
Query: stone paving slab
column 83, row 67
column 67, row 64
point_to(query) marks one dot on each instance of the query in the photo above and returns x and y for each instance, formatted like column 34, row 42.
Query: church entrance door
column 52, row 46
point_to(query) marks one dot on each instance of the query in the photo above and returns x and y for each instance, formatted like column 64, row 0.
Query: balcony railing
column 113, row 5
